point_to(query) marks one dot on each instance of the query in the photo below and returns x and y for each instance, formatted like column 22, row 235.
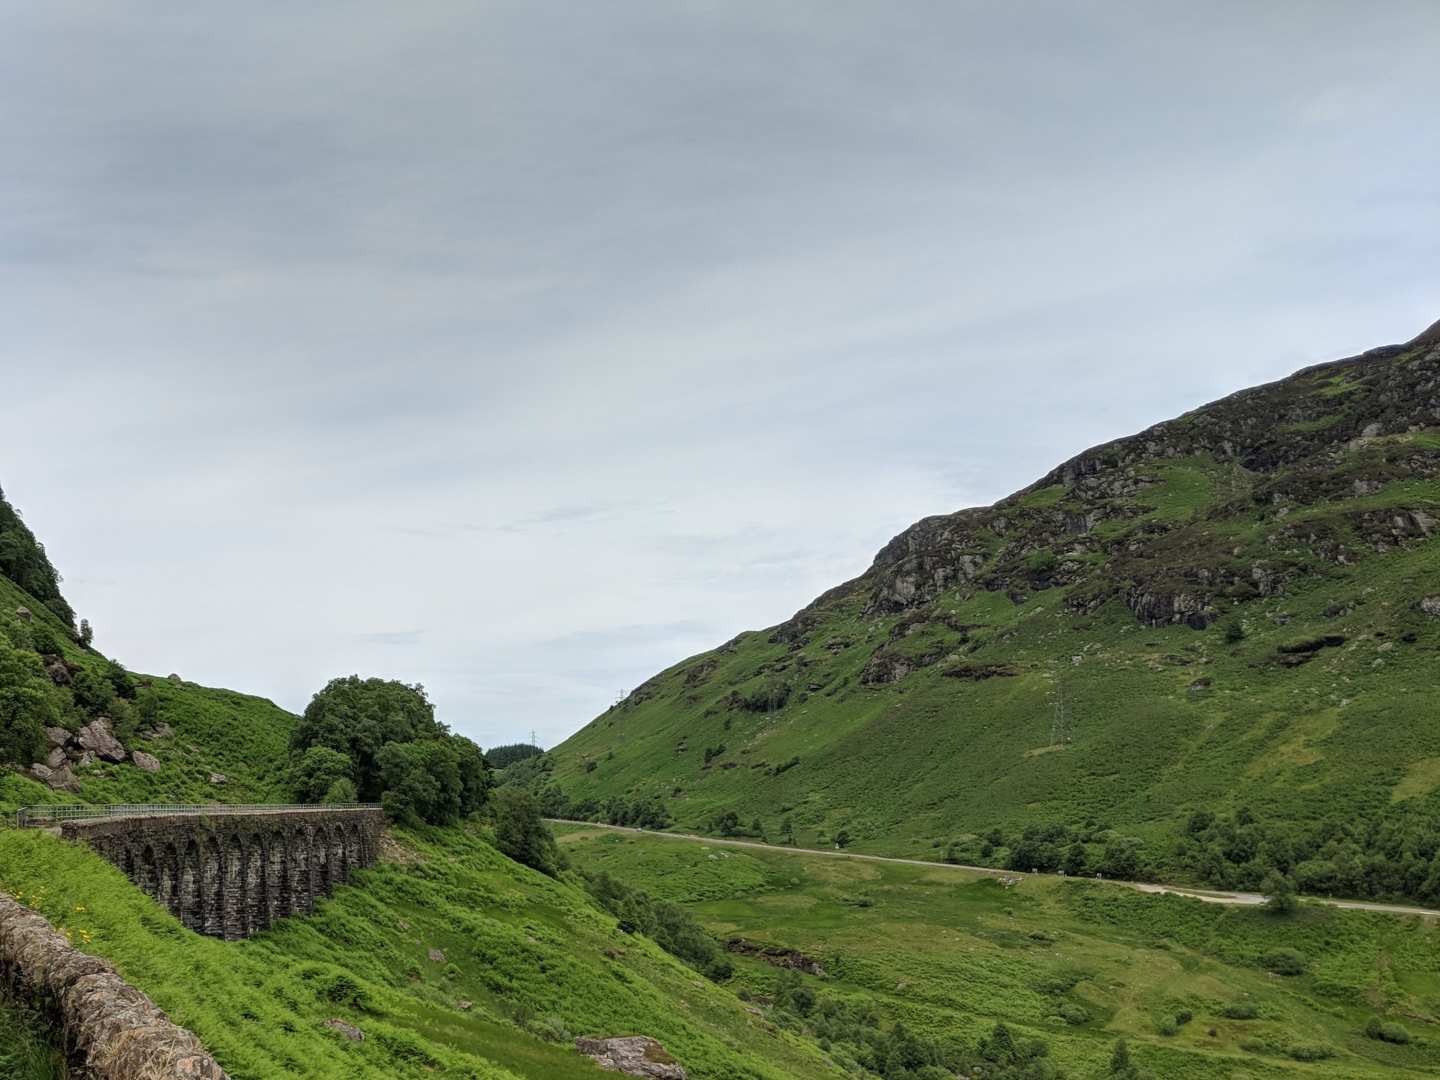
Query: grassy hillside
column 1235, row 612
column 538, row 962
column 947, row 952
column 241, row 737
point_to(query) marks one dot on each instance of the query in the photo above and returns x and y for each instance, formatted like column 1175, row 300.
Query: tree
column 501, row 756
column 842, row 839
column 1073, row 864
column 420, row 781
column 787, row 830
column 27, row 706
column 1279, row 893
column 357, row 717
column 340, row 792
column 87, row 634
column 316, row 771
column 521, row 833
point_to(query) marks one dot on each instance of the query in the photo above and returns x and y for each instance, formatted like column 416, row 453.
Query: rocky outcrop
column 774, row 954
column 97, row 737
column 111, row 1030
column 634, row 1055
column 82, row 749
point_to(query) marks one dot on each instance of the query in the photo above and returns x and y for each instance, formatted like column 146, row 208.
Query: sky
column 522, row 349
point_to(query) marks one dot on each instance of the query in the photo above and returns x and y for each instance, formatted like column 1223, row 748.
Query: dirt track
column 1209, row 896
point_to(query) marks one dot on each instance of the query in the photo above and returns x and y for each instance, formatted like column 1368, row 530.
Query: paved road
column 1210, row 896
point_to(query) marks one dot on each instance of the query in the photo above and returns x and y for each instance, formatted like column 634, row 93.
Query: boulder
column 437, row 956
column 24, row 613
column 1431, row 606
column 40, row 771
column 57, row 757
column 349, row 1031
column 97, row 737
column 174, row 678
column 86, row 760
column 147, row 762
column 58, row 672
column 159, row 731
column 62, row 779
column 634, row 1055
column 218, row 778
column 57, row 736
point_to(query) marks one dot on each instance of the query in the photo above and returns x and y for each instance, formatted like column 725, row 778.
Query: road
column 1209, row 896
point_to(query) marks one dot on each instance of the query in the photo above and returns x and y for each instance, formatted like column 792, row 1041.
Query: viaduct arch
column 229, row 874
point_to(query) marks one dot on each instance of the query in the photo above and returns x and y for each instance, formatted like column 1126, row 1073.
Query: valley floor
column 1210, row 896
column 1196, row 988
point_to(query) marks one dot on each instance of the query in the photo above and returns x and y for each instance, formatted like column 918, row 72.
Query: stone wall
column 233, row 875
column 111, row 1031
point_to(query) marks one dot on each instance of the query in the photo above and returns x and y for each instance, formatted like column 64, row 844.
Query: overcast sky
column 523, row 349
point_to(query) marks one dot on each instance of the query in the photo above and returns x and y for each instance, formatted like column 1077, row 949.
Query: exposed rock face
column 112, row 1030
column 634, row 1055
column 97, row 737
column 348, row 1031
column 774, row 954
column 145, row 761
column 1333, row 432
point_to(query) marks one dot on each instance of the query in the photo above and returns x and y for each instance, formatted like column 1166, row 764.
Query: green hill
column 529, row 962
column 1206, row 650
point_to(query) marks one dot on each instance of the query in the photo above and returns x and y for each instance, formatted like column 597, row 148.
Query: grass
column 948, row 952
column 26, row 1046
column 538, row 962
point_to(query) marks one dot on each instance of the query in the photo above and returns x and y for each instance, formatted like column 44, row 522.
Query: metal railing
column 55, row 813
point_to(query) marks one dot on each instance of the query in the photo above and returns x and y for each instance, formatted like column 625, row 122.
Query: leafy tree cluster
column 638, row 812
column 1391, row 856
column 378, row 740
column 502, row 757
column 899, row 1053
column 521, row 833
column 670, row 926
column 23, row 561
column 27, row 705
column 30, row 700
column 1087, row 850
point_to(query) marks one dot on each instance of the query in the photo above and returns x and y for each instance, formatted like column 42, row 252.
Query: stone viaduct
column 232, row 874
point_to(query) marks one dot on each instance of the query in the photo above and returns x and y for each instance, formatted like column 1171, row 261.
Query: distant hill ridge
column 1231, row 611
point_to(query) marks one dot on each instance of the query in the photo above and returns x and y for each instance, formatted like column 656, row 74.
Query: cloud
column 533, row 324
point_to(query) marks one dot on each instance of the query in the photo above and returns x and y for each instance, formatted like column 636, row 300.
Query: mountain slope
column 1234, row 611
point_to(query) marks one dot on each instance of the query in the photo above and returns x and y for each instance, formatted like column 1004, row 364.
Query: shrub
column 1167, row 1026
column 1279, row 893
column 1384, row 1032
column 1240, row 1010
column 1284, row 962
